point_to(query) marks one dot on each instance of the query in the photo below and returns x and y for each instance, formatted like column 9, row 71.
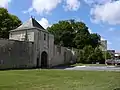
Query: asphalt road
column 91, row 68
column 94, row 68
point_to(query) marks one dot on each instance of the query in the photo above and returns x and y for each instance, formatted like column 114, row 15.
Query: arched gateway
column 44, row 59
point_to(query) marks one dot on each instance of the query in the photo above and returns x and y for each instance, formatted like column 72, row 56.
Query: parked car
column 117, row 62
column 112, row 62
column 109, row 62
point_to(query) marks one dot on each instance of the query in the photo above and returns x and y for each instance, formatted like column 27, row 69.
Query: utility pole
column 105, row 46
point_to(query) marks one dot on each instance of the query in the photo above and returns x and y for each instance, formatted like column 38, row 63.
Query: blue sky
column 101, row 16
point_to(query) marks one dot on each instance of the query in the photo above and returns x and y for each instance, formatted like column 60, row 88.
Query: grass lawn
column 58, row 80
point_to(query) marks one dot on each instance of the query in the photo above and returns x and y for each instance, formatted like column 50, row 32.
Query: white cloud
column 4, row 3
column 44, row 22
column 107, row 13
column 28, row 11
column 43, row 6
column 72, row 5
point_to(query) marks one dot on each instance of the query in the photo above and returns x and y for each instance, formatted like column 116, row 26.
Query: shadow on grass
column 27, row 68
column 24, row 68
column 62, row 67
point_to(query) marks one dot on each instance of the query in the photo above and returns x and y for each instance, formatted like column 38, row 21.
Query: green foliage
column 95, row 40
column 70, row 33
column 81, row 40
column 107, row 55
column 80, row 56
column 99, row 55
column 90, row 55
column 88, row 50
column 7, row 22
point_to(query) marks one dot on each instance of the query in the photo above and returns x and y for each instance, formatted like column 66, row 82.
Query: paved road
column 91, row 68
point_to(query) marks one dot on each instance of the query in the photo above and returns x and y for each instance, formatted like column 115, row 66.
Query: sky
column 101, row 16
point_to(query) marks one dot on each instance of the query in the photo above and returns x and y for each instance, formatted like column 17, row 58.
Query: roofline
column 15, row 30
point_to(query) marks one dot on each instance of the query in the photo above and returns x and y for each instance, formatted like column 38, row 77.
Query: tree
column 95, row 40
column 89, row 55
column 82, row 35
column 80, row 56
column 88, row 51
column 70, row 33
column 107, row 55
column 99, row 55
column 81, row 40
column 7, row 22
column 63, row 33
column 85, row 55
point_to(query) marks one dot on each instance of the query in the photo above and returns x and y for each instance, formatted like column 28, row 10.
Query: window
column 44, row 36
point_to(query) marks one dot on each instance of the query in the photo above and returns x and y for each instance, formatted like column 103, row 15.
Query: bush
column 90, row 55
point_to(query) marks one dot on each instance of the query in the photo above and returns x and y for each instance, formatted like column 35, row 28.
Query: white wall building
column 46, row 54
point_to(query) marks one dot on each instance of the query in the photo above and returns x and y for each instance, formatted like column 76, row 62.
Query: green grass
column 58, row 80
